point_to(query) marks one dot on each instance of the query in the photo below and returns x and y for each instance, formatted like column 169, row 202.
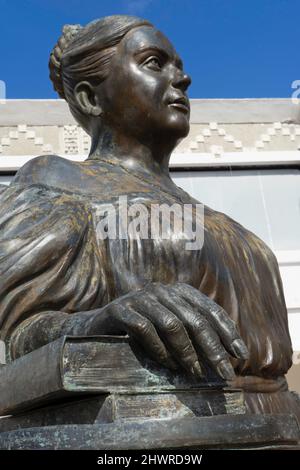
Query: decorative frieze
column 241, row 137
column 217, row 127
column 24, row 140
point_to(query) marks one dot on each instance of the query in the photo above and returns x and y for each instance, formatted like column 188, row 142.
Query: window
column 265, row 201
column 5, row 179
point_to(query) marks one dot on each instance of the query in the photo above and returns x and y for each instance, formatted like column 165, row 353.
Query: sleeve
column 49, row 258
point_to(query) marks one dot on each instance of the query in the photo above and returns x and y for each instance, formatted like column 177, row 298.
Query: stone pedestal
column 101, row 393
column 180, row 420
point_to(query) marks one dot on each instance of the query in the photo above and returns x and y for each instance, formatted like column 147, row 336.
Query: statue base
column 216, row 432
column 100, row 393
column 149, row 421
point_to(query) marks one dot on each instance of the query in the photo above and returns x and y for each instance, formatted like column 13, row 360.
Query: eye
column 154, row 63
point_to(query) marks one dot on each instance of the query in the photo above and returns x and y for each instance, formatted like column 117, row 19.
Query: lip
column 181, row 103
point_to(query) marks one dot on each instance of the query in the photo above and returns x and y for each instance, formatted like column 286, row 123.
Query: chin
column 179, row 128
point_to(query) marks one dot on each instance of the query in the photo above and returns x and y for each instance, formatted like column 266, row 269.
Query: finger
column 172, row 331
column 218, row 319
column 213, row 349
column 142, row 330
column 201, row 332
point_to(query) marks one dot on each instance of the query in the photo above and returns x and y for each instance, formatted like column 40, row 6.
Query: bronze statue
column 221, row 305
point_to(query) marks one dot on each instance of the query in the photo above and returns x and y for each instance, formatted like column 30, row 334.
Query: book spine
column 29, row 378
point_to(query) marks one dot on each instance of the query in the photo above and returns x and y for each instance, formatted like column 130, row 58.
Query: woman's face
column 145, row 92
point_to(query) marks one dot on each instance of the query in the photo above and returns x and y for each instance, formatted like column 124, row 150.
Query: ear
column 87, row 99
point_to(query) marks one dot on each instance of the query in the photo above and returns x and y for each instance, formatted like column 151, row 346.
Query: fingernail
column 196, row 370
column 240, row 349
column 225, row 370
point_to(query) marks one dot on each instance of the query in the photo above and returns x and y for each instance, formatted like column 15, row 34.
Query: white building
column 242, row 157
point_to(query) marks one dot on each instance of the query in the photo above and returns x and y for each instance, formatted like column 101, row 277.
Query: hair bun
column 69, row 32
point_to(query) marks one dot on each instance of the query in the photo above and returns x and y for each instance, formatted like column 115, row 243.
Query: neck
column 151, row 158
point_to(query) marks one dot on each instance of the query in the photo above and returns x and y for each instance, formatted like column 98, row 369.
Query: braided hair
column 84, row 53
column 68, row 33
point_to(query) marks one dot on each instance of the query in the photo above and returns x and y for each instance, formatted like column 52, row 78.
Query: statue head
column 122, row 72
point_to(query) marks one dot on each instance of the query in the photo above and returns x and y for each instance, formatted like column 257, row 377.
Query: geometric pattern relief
column 219, row 138
column 212, row 138
column 76, row 140
column 71, row 140
column 22, row 140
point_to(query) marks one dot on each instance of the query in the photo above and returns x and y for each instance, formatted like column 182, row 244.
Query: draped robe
column 53, row 260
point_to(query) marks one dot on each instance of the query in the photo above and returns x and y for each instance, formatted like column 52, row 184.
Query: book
column 73, row 366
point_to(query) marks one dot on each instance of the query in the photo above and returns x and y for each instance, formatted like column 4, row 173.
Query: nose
column 181, row 80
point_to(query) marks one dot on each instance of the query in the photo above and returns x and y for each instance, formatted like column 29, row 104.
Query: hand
column 174, row 322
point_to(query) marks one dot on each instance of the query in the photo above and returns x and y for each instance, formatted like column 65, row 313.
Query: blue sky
column 231, row 48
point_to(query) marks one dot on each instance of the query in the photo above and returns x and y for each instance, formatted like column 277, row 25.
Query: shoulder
column 48, row 170
column 43, row 187
column 30, row 211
